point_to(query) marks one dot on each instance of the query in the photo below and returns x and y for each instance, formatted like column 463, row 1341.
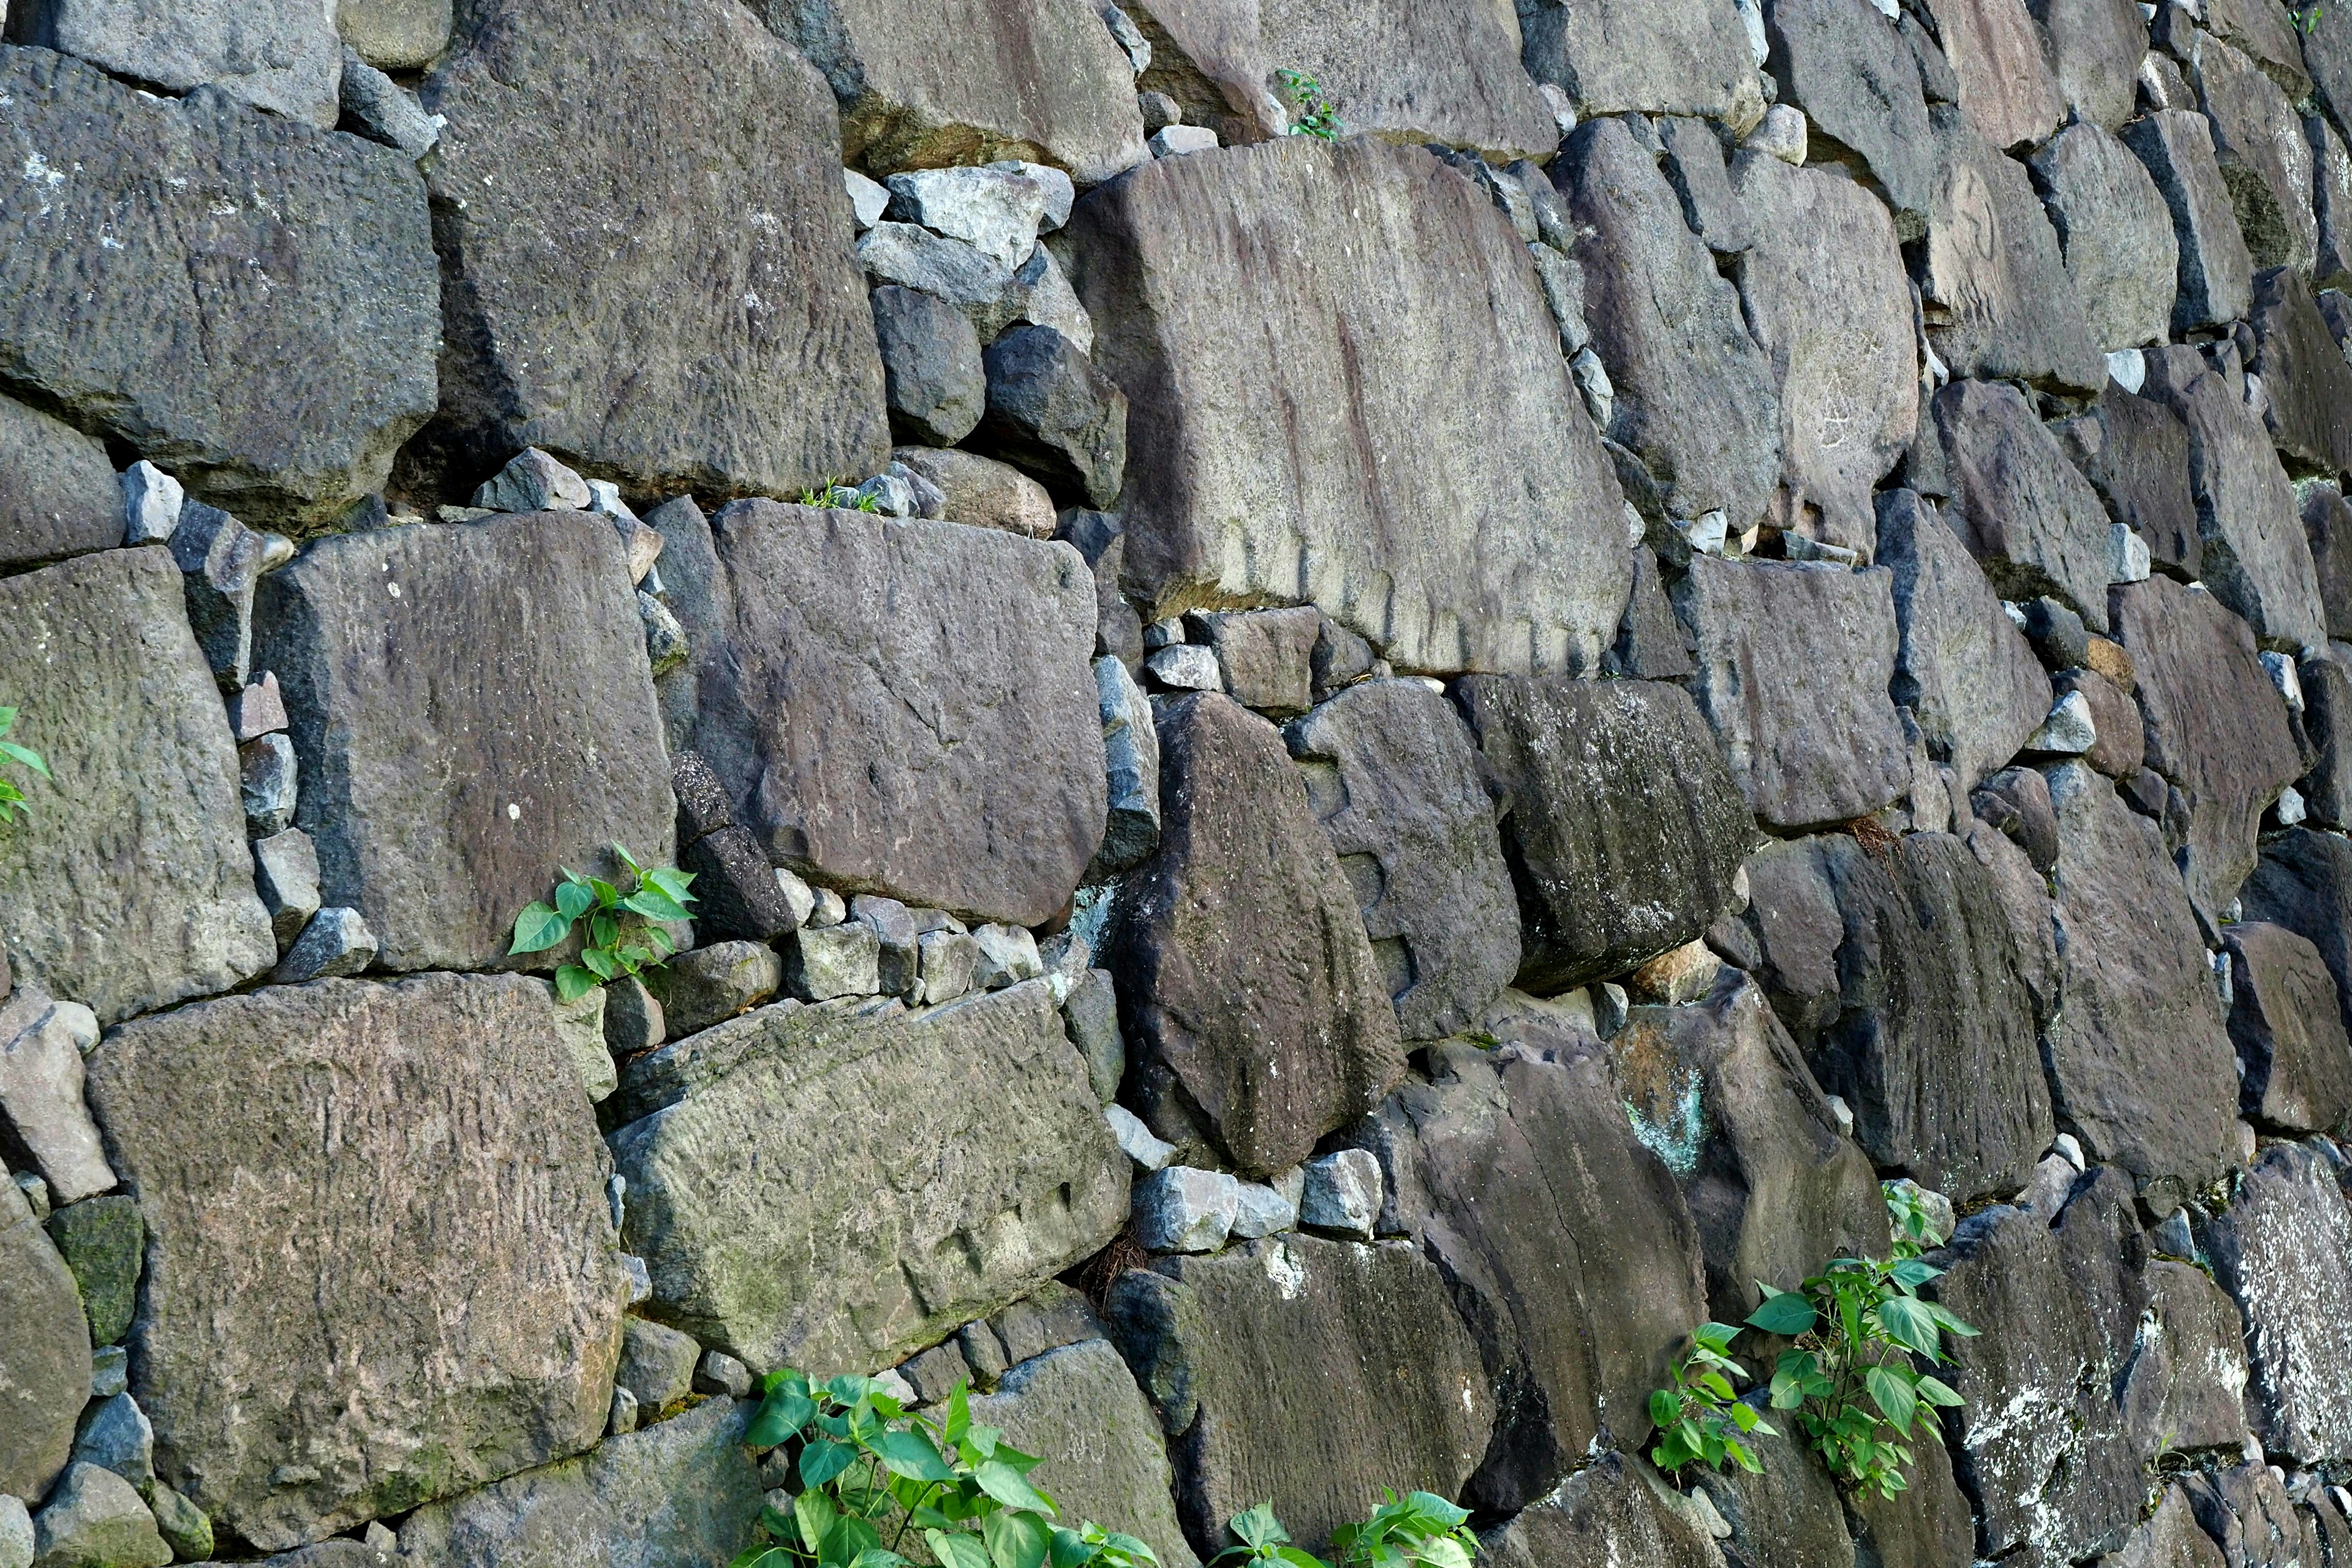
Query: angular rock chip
column 44, row 1356
column 394, row 35
column 2006, row 84
column 279, row 391
column 2264, row 159
column 724, row 345
column 2216, row 272
column 1622, row 54
column 1564, row 1242
column 1850, row 72
column 818, row 1265
column 298, row 1379
column 1625, row 826
column 684, row 1490
column 1396, row 780
column 1826, row 294
column 2122, row 256
column 876, row 673
column 1053, row 413
column 1304, row 1371
column 58, row 494
column 1248, row 992
column 2187, row 1385
column 446, row 778
column 1696, row 395
column 279, row 55
column 2095, row 48
column 1615, row 1511
column 1498, row 543
column 2282, row 1250
column 2304, row 883
column 931, row 365
column 2135, row 452
column 1406, row 71
column 1794, row 662
column 2305, row 375
column 2140, row 1064
column 2026, row 513
column 2170, row 1538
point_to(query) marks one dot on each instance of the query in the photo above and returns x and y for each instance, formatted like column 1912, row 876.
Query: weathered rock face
column 1307, row 1373
column 1790, row 1516
column 1248, row 993
column 1693, row 394
column 1209, row 56
column 2095, row 48
column 2140, row 1064
column 2187, row 1384
column 1998, row 302
column 127, row 885
column 1406, row 72
column 1793, row 667
column 1037, row 79
column 1396, row 780
column 2135, row 452
column 1460, row 514
column 2247, row 1512
column 43, row 1355
column 1108, row 1462
column 1612, row 787
column 816, row 1264
column 394, row 35
column 2216, row 272
column 1928, row 1526
column 445, row 779
column 262, row 409
column 1825, row 292
column 2305, row 374
column 2170, row 1538
column 1564, row 1242
column 1614, row 1511
column 2282, row 1250
column 2122, row 256
column 1853, row 76
column 877, row 673
column 1622, row 54
column 2264, row 159
column 280, row 55
column 1720, row 1091
column 2026, row 513
column 58, row 491
column 2304, row 882
column 685, row 1492
column 2006, row 85
column 2327, row 790
column 299, row 1381
column 726, row 347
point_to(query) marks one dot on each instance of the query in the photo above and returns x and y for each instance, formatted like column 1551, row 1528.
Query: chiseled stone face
column 2283, row 1251
column 1416, row 70
column 1619, row 54
column 58, row 494
column 44, row 1355
column 280, row 55
column 381, row 1266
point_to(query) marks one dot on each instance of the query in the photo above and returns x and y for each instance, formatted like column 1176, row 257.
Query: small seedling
column 2305, row 17
column 1420, row 1529
column 624, row 930
column 1700, row 1420
column 1312, row 114
column 12, row 799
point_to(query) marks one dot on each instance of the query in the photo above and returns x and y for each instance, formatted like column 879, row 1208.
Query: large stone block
column 2305, row 375
column 721, row 342
column 1790, row 1516
column 1396, row 780
column 873, row 674
column 1037, row 79
column 472, row 710
column 2304, row 883
column 1695, row 397
column 2216, row 727
column 1417, row 70
column 2327, row 54
column 2268, row 36
column 300, row 1346
column 2283, row 1251
column 1315, row 416
column 276, row 388
column 2216, row 272
column 279, row 55
column 2288, row 1027
column 1566, row 1244
column 1306, row 1373
column 1254, row 1008
column 922, row 1214
column 682, row 1494
column 1827, row 296
column 2122, row 256
column 2170, row 1538
column 394, row 35
column 1625, row 826
column 1612, row 1513
column 2006, row 84
column 1794, row 662
column 2135, row 452
column 2140, row 1064
column 1621, row 55
column 127, row 885
column 1854, row 74
column 2186, row 1389
column 44, row 1353
column 2265, row 158
column 58, row 495
column 2096, row 47
column 2024, row 510
column 1998, row 302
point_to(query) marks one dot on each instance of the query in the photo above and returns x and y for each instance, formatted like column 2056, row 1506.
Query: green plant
column 12, row 799
column 2305, row 17
column 852, row 499
column 1700, row 1420
column 862, row 1465
column 1312, row 114
column 624, row 934
column 1420, row 1528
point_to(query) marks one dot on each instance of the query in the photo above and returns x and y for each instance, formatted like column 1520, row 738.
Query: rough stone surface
column 394, row 35
column 1613, row 1512
column 982, row 491
column 1305, row 1372
column 2135, row 452
column 101, row 1240
column 1850, row 72
column 1054, row 414
column 2304, row 883
column 2141, row 1063
column 1407, row 71
column 2122, row 256
column 931, row 366
column 1268, row 656
column 446, row 779
column 281, row 55
column 2216, row 271
column 1622, row 54
column 249, row 1353
column 2305, row 375
column 1396, row 780
column 45, row 1367
column 1249, row 994
column 2186, row 1385
column 58, row 495
column 679, row 1494
column 1236, row 292
column 2025, row 512
column 1794, row 662
column 816, row 1265
column 2095, row 48
column 95, row 1518
column 2169, row 1538
column 2264, row 159
column 44, row 1127
column 725, row 347
column 2006, row 84
column 2282, row 1250
column 1623, row 826
column 127, row 885
column 262, row 410
column 2328, row 724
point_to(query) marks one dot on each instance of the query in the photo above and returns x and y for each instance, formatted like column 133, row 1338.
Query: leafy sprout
column 624, row 934
column 1420, row 1529
column 1700, row 1419
column 12, row 799
column 1312, row 114
column 2305, row 17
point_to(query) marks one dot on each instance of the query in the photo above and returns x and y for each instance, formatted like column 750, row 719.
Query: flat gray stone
column 278, row 392
column 656, row 1365
column 1850, row 70
column 2121, row 255
column 1622, row 54
column 1614, row 1511
column 931, row 366
column 96, row 1516
column 2327, row 790
column 679, row 1494
column 1407, row 71
column 2216, row 271
column 1054, row 414
column 2288, row 1026
column 2331, row 202
column 1794, row 662
column 394, row 35
column 2327, row 54
column 2186, row 1388
column 982, row 491
column 58, row 494
column 1501, row 450
column 2328, row 530
column 1180, row 1208
column 874, row 673
column 2024, row 510
column 2304, row 883
column 2096, row 47
column 779, row 1261
column 280, row 1283
column 1268, row 656
column 2135, row 452
column 2282, row 1250
column 2305, row 375
column 114, row 1435
column 44, row 1126
column 2006, row 84
column 45, row 1366
column 1395, row 779
column 2264, row 159
column 722, row 344
column 446, row 779
column 279, row 55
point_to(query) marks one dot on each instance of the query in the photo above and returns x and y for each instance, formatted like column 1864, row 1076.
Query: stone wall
column 1335, row 786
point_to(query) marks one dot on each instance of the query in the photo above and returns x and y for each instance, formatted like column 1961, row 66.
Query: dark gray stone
column 1053, row 413
column 2005, row 83
column 656, row 1365
column 1794, row 662
column 2304, row 372
column 712, row 985
column 2331, row 202
column 1397, row 781
column 721, row 345
column 1622, row 54
column 2170, row 1538
column 1850, row 72
column 2016, row 800
column 279, row 391
column 220, row 560
column 1928, row 1525
column 2282, row 1250
column 278, row 55
column 1268, row 656
column 2217, row 273
column 446, row 779
column 2095, row 48
column 2028, row 515
column 1623, row 826
column 2326, row 789
column 1693, row 162
column 2135, row 452
column 45, row 1368
column 2247, row 1512
column 2259, row 145
column 2267, row 38
column 1615, row 1511
column 1790, row 1516
column 2186, row 1388
column 2304, row 882
column 2122, row 256
column 1650, row 642
column 281, row 1281
column 58, row 494
column 931, row 371
column 1249, row 994
column 103, row 1241
column 2120, row 747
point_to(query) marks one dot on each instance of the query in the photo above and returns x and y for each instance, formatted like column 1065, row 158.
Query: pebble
column 259, row 710
column 337, row 942
column 1185, row 667
column 533, row 482
column 2069, row 730
column 2069, row 1149
column 1006, row 956
column 1782, row 133
column 868, row 199
column 1136, row 1139
column 151, row 500
column 1175, row 141
column 2127, row 556
column 719, row 1373
column 110, row 1372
